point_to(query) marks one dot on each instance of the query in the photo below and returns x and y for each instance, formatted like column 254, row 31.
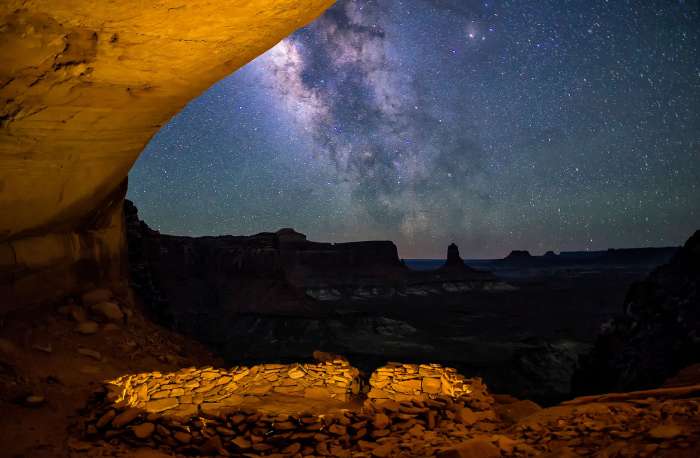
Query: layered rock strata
column 42, row 267
column 277, row 271
column 84, row 86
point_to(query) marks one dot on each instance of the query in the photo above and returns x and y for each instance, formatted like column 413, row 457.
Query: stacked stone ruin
column 412, row 428
column 406, row 382
column 202, row 411
column 191, row 391
column 446, row 416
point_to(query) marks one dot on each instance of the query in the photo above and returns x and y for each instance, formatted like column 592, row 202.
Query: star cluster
column 499, row 125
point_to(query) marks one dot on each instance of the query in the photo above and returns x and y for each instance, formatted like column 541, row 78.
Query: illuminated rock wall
column 215, row 391
column 404, row 382
column 47, row 266
column 84, row 85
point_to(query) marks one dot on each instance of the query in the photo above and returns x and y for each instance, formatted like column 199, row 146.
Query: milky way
column 498, row 125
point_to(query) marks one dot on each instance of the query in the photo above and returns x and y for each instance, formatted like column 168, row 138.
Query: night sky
column 498, row 125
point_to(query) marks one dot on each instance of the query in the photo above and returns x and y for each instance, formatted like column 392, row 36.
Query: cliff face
column 658, row 333
column 45, row 266
column 83, row 87
column 226, row 287
column 274, row 272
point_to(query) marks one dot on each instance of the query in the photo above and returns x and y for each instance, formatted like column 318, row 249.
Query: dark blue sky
column 498, row 125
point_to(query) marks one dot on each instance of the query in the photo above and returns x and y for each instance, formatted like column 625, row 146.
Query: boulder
column 126, row 417
column 473, row 448
column 106, row 418
column 183, row 437
column 144, row 430
column 517, row 410
column 241, row 442
column 109, row 311
column 665, row 432
column 160, row 405
column 90, row 353
column 96, row 296
column 431, row 385
column 466, row 416
column 381, row 421
column 87, row 327
column 34, row 400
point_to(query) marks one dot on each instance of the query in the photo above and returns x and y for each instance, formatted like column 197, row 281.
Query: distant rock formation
column 641, row 258
column 454, row 260
column 658, row 334
column 289, row 235
column 519, row 254
column 205, row 285
column 453, row 254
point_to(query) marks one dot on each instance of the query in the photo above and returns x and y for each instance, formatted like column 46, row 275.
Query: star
column 381, row 112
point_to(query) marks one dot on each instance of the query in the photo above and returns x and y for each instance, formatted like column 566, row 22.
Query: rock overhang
column 85, row 85
column 83, row 88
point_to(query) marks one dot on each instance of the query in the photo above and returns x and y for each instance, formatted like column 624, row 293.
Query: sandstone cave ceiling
column 85, row 85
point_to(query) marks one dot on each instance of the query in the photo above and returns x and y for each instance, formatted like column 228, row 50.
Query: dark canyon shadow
column 521, row 322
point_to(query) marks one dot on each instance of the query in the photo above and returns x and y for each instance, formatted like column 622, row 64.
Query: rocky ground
column 57, row 359
column 660, row 423
column 60, row 364
column 54, row 356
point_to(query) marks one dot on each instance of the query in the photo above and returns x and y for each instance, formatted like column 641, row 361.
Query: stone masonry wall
column 191, row 391
column 405, row 382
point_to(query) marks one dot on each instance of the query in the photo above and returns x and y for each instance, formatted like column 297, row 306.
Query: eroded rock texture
column 658, row 334
column 83, row 87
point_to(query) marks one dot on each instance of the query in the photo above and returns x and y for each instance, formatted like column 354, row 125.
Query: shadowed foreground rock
column 458, row 418
column 658, row 334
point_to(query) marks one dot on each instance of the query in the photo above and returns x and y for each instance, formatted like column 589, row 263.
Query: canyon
column 277, row 296
column 116, row 340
